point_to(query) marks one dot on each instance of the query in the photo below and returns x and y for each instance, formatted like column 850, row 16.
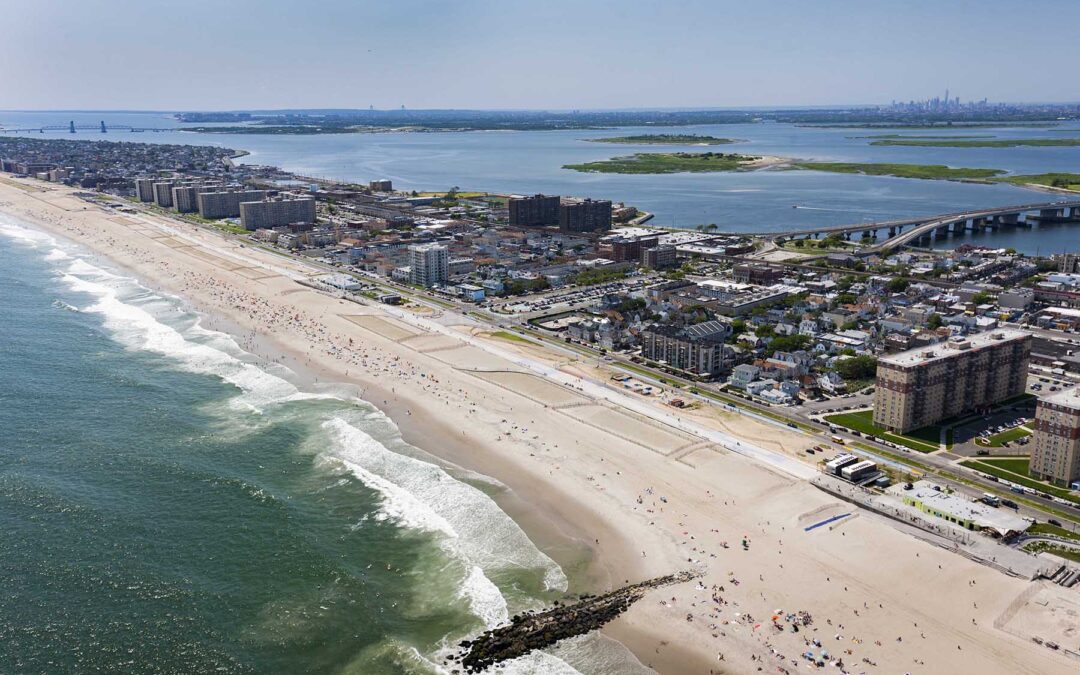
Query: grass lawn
column 1007, row 436
column 1015, row 464
column 920, row 440
column 1020, row 479
column 924, row 171
column 668, row 162
column 1061, row 551
column 1054, row 530
column 507, row 335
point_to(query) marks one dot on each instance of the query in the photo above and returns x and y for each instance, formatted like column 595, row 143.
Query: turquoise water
column 761, row 201
column 171, row 505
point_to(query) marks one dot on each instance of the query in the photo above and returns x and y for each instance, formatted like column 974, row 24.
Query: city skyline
column 479, row 54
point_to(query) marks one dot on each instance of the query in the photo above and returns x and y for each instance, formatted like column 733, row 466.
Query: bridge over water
column 906, row 231
column 72, row 128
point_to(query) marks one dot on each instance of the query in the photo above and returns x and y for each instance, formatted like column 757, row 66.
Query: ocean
column 172, row 504
column 527, row 162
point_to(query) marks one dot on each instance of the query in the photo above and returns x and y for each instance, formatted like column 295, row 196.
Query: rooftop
column 953, row 347
column 1070, row 398
column 962, row 508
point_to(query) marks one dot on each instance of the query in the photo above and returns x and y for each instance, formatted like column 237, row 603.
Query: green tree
column 897, row 285
column 934, row 321
column 857, row 367
column 789, row 343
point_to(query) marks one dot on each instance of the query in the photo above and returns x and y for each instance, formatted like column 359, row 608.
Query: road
column 941, row 465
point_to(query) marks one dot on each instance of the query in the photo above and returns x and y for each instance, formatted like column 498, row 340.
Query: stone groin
column 536, row 630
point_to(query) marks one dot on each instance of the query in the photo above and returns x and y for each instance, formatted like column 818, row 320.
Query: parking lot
column 563, row 300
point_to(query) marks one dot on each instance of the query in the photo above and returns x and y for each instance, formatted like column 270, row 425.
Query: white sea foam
column 13, row 230
column 485, row 599
column 471, row 526
column 137, row 328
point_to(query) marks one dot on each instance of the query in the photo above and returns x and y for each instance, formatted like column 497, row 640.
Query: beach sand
column 646, row 498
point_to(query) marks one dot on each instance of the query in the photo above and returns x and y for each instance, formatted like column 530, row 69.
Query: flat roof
column 962, row 508
column 1070, row 398
column 944, row 350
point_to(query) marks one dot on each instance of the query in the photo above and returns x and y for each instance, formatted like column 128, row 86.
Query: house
column 832, row 383
column 743, row 375
column 808, row 327
column 755, row 388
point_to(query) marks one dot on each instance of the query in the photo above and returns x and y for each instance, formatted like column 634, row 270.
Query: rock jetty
column 536, row 630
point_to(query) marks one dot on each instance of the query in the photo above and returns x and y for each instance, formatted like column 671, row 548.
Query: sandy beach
column 646, row 496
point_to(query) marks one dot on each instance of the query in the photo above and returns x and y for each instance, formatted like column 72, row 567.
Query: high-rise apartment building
column 144, row 189
column 226, row 203
column 585, row 215
column 429, row 264
column 919, row 387
column 535, row 210
column 1055, row 453
column 184, row 197
column 163, row 193
column 284, row 210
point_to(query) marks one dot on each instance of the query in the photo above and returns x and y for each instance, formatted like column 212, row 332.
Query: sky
column 544, row 54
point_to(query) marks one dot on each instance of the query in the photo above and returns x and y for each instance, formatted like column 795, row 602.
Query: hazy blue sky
column 223, row 54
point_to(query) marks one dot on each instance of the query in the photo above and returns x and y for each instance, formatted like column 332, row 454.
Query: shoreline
column 644, row 498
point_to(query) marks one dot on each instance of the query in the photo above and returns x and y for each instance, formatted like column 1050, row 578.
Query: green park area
column 1068, row 181
column 1015, row 470
column 921, row 171
column 669, row 162
column 980, row 143
column 508, row 336
column 1059, row 550
column 1000, row 439
column 920, row 440
column 665, row 139
column 1053, row 531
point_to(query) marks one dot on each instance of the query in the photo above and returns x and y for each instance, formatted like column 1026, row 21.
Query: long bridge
column 904, row 232
column 72, row 128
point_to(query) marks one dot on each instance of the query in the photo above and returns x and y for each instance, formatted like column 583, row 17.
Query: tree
column 789, row 343
column 897, row 285
column 765, row 331
column 934, row 321
column 857, row 367
column 981, row 298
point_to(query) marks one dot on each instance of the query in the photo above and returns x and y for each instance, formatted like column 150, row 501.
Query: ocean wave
column 136, row 328
column 487, row 536
column 485, row 599
column 26, row 235
column 471, row 527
